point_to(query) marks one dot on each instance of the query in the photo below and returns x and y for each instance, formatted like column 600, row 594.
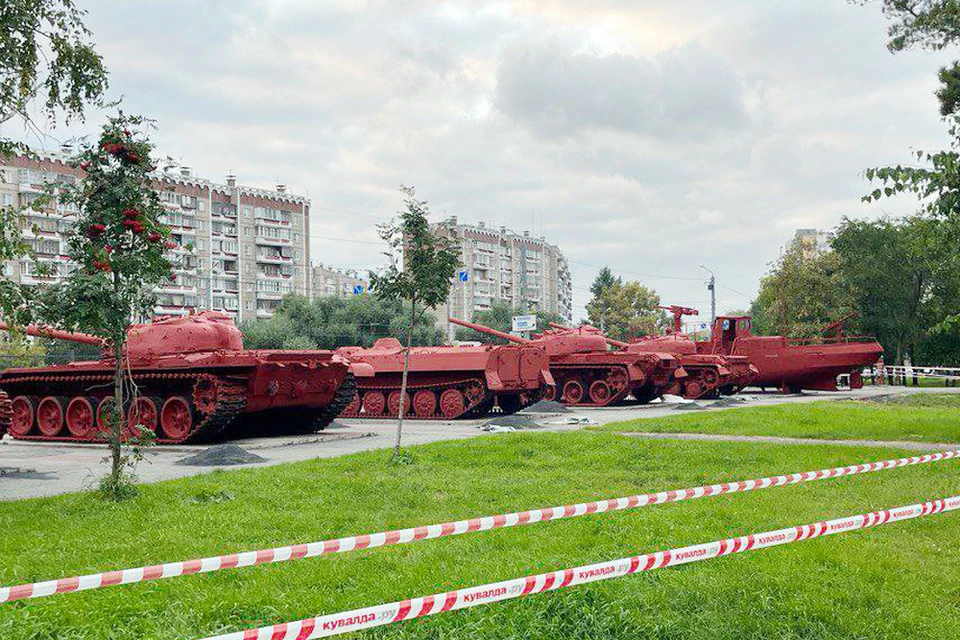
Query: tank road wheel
column 144, row 413
column 572, row 392
column 693, row 390
column 50, row 414
column 206, row 395
column 105, row 414
column 600, row 392
column 452, row 403
column 81, row 419
column 176, row 418
column 373, row 404
column 24, row 411
column 710, row 376
column 617, row 380
column 550, row 393
column 424, row 403
column 353, row 408
column 393, row 403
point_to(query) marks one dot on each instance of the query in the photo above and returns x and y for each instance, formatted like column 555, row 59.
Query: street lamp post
column 712, row 287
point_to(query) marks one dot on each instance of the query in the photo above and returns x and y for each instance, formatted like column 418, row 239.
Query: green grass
column 898, row 581
column 924, row 418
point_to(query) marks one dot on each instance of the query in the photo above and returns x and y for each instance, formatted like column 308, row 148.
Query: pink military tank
column 708, row 374
column 194, row 381
column 446, row 383
column 586, row 372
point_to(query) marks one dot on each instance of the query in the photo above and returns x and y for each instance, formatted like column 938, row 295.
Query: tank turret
column 586, row 372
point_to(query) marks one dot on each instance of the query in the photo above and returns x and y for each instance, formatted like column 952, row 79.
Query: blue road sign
column 357, row 289
column 462, row 276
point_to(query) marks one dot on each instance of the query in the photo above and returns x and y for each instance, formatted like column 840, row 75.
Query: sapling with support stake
column 422, row 265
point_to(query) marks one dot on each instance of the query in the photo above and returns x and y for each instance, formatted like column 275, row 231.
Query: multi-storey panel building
column 812, row 242
column 328, row 281
column 239, row 249
column 525, row 271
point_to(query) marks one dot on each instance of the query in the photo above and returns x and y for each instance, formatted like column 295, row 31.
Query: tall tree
column 422, row 265
column 904, row 276
column 118, row 244
column 626, row 310
column 604, row 280
column 804, row 293
column 45, row 55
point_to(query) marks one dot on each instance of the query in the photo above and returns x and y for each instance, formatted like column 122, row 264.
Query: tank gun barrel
column 58, row 334
column 493, row 332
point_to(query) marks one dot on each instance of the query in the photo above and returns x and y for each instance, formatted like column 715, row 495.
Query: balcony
column 271, row 259
column 265, row 313
column 274, row 242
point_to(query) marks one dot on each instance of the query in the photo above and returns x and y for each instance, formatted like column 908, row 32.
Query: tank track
column 301, row 423
column 563, row 373
column 232, row 399
column 469, row 410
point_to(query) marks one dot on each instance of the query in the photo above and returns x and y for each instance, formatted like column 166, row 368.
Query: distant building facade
column 250, row 246
column 812, row 242
column 527, row 272
column 328, row 281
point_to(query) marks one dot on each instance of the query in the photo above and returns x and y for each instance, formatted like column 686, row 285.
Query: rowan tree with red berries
column 118, row 244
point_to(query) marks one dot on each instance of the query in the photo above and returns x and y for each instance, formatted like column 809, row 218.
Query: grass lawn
column 920, row 417
column 898, row 581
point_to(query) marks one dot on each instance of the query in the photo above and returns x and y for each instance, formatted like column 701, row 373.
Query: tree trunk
column 403, row 379
column 116, row 425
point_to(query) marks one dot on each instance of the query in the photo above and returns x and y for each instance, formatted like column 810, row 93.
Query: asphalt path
column 35, row 469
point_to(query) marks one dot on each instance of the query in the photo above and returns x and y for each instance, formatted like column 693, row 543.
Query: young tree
column 627, row 310
column 118, row 245
column 427, row 264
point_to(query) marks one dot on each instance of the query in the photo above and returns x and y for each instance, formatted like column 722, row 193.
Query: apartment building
column 527, row 272
column 328, row 281
column 239, row 249
column 812, row 242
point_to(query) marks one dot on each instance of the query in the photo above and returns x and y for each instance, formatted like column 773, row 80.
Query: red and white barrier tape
column 403, row 536
column 379, row 615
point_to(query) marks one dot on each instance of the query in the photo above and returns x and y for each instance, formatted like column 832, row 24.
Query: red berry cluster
column 102, row 265
column 120, row 151
column 95, row 230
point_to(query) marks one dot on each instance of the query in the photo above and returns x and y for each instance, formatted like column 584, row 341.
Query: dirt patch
column 729, row 401
column 25, row 474
column 515, row 421
column 546, row 406
column 221, row 455
column 689, row 406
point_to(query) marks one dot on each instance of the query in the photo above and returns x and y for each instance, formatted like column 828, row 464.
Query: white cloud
column 652, row 137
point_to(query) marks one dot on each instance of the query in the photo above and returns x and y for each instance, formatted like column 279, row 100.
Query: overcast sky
column 648, row 136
